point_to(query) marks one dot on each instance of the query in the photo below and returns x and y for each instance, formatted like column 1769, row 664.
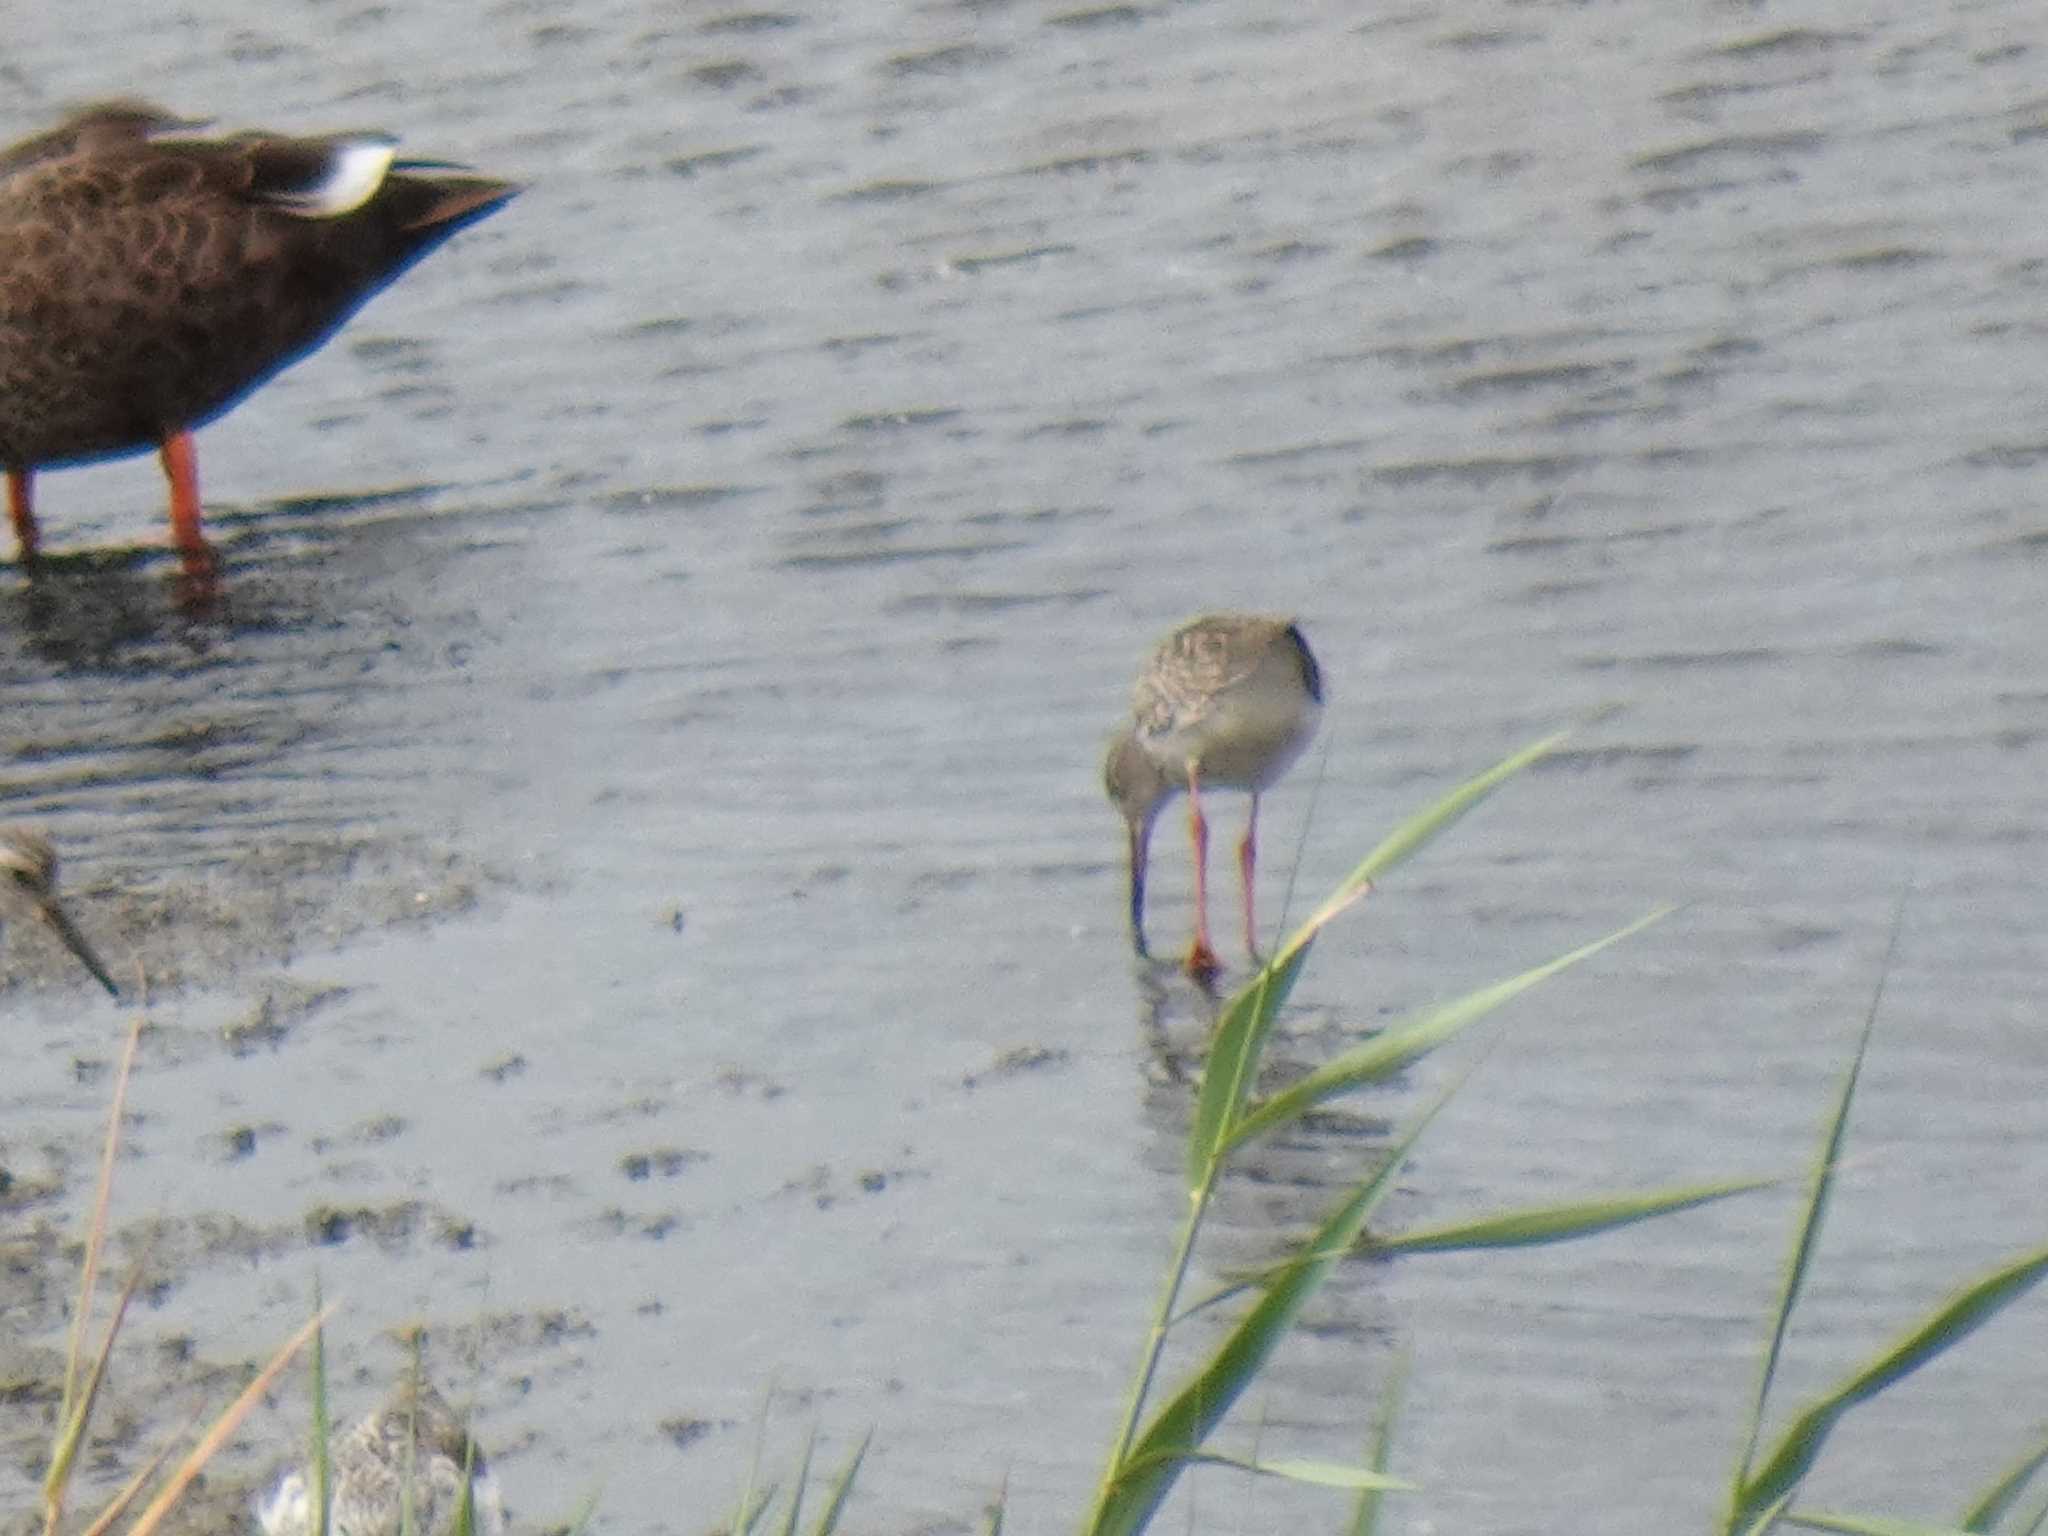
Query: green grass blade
column 1365, row 1515
column 795, row 1511
column 1141, row 1480
column 1951, row 1323
column 465, row 1507
column 1869, row 1525
column 1409, row 1040
column 221, row 1430
column 1560, row 1223
column 1991, row 1505
column 1241, row 1033
column 842, row 1489
column 753, row 1500
column 1294, row 1469
column 762, row 1500
column 1529, row 1227
column 415, row 1375
column 993, row 1524
column 1765, row 1519
column 579, row 1523
column 1823, row 1183
column 317, row 1460
column 1233, row 1062
column 58, row 1479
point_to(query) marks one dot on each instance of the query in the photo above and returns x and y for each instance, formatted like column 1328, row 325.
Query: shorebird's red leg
column 1247, row 866
column 1202, row 961
column 22, row 510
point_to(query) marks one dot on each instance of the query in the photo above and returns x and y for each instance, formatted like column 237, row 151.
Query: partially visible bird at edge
column 1227, row 701
column 412, row 1457
column 28, row 889
column 151, row 277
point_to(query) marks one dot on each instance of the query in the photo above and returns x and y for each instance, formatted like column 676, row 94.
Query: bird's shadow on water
column 325, row 616
column 284, row 567
column 221, row 772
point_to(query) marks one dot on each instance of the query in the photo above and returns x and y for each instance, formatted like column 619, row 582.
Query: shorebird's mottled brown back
column 1200, row 662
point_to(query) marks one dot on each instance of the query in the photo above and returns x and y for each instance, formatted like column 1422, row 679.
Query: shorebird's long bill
column 1141, row 837
column 74, row 941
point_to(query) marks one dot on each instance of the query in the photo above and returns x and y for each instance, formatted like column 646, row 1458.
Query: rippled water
column 640, row 790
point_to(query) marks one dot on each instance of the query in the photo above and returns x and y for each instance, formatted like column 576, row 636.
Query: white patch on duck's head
column 355, row 169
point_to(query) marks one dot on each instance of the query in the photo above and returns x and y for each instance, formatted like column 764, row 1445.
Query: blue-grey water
column 612, row 861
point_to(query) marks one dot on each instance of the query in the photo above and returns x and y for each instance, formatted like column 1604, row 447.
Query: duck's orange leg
column 22, row 510
column 200, row 564
column 181, row 468
column 1201, row 962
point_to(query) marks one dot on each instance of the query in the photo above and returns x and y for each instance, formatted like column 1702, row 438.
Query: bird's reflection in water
column 1176, row 1016
column 88, row 611
column 142, row 608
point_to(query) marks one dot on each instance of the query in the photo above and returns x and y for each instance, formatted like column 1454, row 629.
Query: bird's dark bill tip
column 75, row 942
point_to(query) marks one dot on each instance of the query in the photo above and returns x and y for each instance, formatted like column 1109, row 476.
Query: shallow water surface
column 623, row 867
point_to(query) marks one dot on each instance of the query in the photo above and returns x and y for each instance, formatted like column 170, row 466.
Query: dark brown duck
column 150, row 278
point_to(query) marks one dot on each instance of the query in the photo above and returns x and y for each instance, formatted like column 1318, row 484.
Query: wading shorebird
column 150, row 278
column 1227, row 701
column 28, row 888
column 415, row 1436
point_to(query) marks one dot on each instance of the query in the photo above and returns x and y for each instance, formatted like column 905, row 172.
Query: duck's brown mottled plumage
column 149, row 279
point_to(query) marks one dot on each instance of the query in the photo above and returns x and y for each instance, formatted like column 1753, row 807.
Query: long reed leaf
column 1990, row 1506
column 1801, row 1258
column 1410, row 1039
column 1293, row 1469
column 1528, row 1227
column 1241, row 1033
column 1365, row 1515
column 1766, row 1518
column 1949, row 1324
column 1140, row 1481
column 1869, row 1525
column 1235, row 1046
column 1560, row 1223
column 319, row 1453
